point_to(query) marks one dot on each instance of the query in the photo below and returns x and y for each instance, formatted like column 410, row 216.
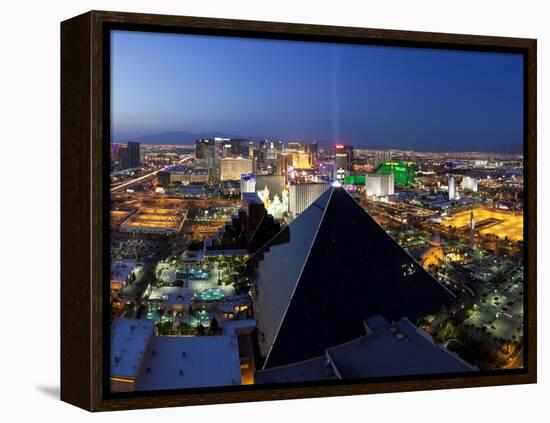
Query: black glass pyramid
column 316, row 281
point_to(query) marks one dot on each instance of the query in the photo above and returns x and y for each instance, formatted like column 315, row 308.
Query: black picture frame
column 85, row 219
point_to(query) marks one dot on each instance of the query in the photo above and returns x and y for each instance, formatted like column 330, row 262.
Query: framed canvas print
column 258, row 210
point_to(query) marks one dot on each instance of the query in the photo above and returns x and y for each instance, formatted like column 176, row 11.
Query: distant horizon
column 499, row 149
column 361, row 95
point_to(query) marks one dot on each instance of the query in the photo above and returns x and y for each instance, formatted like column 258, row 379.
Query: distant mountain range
column 180, row 137
column 509, row 148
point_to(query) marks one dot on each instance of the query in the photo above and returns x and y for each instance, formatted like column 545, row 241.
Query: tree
column 447, row 332
column 201, row 331
column 214, row 325
column 184, row 328
column 164, row 328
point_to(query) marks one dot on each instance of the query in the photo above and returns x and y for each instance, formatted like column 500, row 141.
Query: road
column 143, row 178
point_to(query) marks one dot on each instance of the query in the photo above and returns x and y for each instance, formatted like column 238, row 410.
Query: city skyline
column 398, row 251
column 368, row 96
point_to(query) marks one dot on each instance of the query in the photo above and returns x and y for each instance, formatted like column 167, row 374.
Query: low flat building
column 181, row 174
column 191, row 362
column 155, row 220
column 120, row 273
column 231, row 188
column 394, row 349
column 142, row 361
column 193, row 191
column 130, row 339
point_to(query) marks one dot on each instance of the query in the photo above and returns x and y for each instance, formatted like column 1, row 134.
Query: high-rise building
column 281, row 166
column 341, row 174
column 379, row 185
column 133, row 155
column 452, row 188
column 212, row 160
column 269, row 153
column 469, row 183
column 239, row 147
column 301, row 196
column 201, row 147
column 301, row 160
column 233, row 147
column 381, row 156
column 314, row 148
column 294, row 146
column 270, row 150
column 315, row 282
column 256, row 160
column 114, row 147
column 403, row 172
column 127, row 156
column 121, row 157
column 232, row 168
column 207, row 150
column 343, row 156
column 327, row 169
column 248, row 184
column 251, row 149
column 226, row 150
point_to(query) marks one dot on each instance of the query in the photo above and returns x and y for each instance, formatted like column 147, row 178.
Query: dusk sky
column 361, row 95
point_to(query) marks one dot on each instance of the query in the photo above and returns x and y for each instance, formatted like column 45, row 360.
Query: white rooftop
column 172, row 295
column 191, row 362
column 121, row 269
column 129, row 341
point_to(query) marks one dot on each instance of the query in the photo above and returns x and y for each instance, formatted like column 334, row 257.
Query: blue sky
column 361, row 95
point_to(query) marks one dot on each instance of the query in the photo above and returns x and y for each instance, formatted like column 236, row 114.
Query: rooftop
column 318, row 368
column 129, row 341
column 191, row 362
column 181, row 168
column 251, row 198
column 172, row 295
column 121, row 269
column 396, row 349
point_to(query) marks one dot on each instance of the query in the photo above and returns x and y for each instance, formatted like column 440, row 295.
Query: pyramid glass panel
column 352, row 270
column 275, row 278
